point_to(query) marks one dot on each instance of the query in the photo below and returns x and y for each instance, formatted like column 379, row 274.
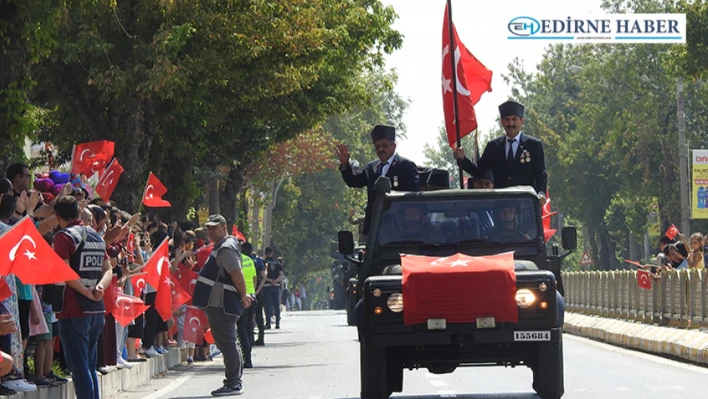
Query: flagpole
column 454, row 83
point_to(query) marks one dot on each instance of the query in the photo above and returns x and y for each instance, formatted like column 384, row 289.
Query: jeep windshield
column 439, row 221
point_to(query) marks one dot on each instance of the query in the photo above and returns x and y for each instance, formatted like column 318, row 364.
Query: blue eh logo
column 524, row 26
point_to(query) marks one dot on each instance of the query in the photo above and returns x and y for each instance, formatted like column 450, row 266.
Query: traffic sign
column 586, row 259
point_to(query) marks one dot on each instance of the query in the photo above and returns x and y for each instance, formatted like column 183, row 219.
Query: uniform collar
column 391, row 160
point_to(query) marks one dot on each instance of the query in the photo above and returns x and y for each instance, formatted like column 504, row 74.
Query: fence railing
column 677, row 299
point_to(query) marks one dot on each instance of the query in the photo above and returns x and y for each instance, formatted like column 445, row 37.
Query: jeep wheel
column 548, row 369
column 351, row 317
column 374, row 373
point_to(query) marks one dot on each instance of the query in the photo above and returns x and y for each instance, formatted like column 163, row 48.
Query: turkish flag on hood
column 127, row 308
column 109, row 180
column 154, row 190
column 88, row 158
column 473, row 80
column 459, row 288
column 26, row 254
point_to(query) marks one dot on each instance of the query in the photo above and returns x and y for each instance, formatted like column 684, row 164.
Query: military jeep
column 445, row 223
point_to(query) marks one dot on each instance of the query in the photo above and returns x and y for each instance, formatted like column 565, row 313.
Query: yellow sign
column 699, row 208
column 203, row 213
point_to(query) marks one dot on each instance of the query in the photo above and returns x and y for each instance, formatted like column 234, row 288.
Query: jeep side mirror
column 382, row 185
column 569, row 238
column 345, row 242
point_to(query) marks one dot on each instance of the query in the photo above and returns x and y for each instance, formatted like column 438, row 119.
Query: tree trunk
column 255, row 225
column 268, row 218
column 605, row 249
column 214, row 194
column 229, row 196
column 594, row 250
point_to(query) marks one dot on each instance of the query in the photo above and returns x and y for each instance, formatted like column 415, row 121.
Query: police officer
column 402, row 172
column 79, row 303
column 221, row 292
column 515, row 159
column 246, row 321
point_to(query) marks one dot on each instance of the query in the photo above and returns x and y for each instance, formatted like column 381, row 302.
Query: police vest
column 210, row 275
column 249, row 272
column 87, row 262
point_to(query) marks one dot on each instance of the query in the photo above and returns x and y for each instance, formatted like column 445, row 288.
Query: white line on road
column 170, row 387
column 642, row 355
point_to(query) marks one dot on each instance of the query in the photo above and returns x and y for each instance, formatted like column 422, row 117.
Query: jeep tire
column 351, row 315
column 548, row 369
column 374, row 372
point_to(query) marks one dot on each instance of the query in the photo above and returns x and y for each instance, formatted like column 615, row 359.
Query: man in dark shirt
column 80, row 327
column 271, row 288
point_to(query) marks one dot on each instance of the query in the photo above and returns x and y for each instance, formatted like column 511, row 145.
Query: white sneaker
column 151, row 352
column 20, row 385
column 122, row 363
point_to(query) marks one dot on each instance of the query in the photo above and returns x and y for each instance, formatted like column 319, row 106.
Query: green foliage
column 607, row 116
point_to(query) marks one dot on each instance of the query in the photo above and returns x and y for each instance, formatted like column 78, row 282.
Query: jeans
column 260, row 305
column 79, row 339
column 272, row 304
column 223, row 328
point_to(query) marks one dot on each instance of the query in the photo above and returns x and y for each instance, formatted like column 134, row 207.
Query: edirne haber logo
column 607, row 28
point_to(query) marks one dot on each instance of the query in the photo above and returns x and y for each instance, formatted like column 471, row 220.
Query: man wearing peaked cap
column 402, row 172
column 515, row 159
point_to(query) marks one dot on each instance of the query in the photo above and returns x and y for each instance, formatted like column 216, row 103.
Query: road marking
column 170, row 387
column 438, row 383
column 642, row 355
column 447, row 394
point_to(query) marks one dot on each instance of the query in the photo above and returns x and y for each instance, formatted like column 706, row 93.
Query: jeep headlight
column 395, row 302
column 524, row 298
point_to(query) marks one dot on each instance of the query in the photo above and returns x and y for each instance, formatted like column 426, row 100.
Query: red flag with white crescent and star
column 27, row 255
column 109, row 180
column 195, row 322
column 154, row 190
column 89, row 158
column 127, row 308
column 158, row 265
column 473, row 79
column 138, row 281
column 459, row 288
column 672, row 232
column 163, row 298
column 180, row 296
column 644, row 279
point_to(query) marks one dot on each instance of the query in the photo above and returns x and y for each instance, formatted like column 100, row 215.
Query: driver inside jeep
column 416, row 226
column 506, row 223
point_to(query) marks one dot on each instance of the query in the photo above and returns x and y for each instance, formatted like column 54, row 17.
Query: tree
column 27, row 36
column 312, row 207
column 179, row 85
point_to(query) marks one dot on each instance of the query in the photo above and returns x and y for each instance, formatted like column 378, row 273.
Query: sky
column 482, row 27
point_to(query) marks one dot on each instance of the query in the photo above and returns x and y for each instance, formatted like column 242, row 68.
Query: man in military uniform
column 402, row 172
column 515, row 159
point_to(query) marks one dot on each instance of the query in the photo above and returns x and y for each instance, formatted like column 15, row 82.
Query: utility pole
column 683, row 157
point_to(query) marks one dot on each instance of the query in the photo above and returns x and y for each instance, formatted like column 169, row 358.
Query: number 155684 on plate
column 532, row 335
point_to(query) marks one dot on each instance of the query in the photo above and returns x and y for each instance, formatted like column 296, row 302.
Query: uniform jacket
column 529, row 172
column 402, row 172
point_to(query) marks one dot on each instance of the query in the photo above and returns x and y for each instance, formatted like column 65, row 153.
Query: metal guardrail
column 677, row 299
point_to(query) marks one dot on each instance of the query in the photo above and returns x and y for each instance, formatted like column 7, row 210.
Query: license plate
column 532, row 335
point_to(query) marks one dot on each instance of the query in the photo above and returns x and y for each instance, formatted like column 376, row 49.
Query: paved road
column 315, row 356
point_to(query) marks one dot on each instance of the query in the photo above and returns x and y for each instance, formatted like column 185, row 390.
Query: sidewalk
column 112, row 383
column 690, row 345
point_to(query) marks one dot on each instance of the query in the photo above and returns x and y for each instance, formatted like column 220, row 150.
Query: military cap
column 511, row 108
column 381, row 132
column 438, row 178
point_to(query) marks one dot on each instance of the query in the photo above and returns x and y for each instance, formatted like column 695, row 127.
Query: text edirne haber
column 604, row 26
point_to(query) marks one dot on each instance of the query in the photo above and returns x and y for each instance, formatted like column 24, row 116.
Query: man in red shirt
column 79, row 303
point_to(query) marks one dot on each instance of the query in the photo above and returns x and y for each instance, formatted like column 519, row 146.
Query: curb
column 114, row 382
column 690, row 345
